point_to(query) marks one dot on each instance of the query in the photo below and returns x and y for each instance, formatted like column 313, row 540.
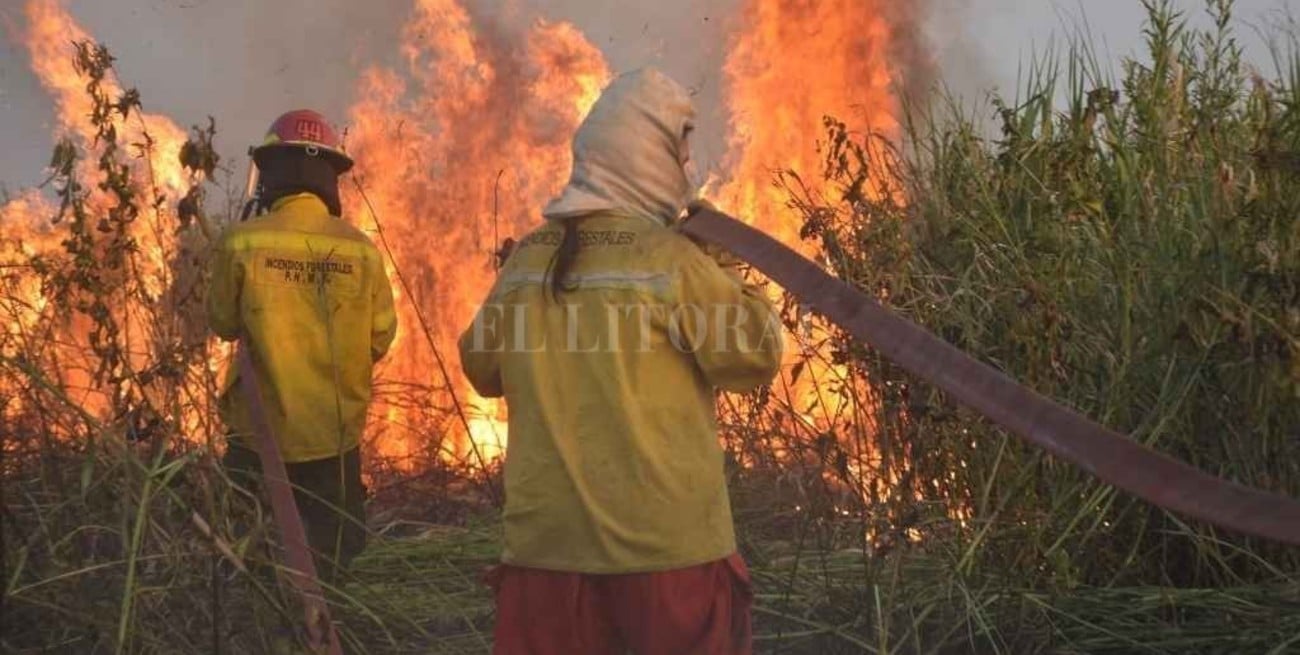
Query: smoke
column 690, row 40
column 25, row 116
column 686, row 39
column 912, row 49
column 242, row 62
column 246, row 61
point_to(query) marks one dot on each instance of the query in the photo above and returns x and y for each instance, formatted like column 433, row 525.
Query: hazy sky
column 246, row 60
column 991, row 39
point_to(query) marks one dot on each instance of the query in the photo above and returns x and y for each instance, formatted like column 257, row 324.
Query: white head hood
column 629, row 154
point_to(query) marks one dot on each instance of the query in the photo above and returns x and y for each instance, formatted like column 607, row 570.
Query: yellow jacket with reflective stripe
column 614, row 464
column 310, row 292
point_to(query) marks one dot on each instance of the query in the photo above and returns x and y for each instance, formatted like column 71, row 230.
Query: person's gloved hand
column 698, row 205
column 503, row 253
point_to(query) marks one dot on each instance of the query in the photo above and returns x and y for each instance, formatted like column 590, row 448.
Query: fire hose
column 1110, row 456
column 321, row 637
column 1113, row 458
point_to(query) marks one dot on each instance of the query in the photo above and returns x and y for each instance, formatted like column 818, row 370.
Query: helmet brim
column 338, row 159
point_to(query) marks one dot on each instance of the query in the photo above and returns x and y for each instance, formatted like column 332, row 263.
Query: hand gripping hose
column 1110, row 456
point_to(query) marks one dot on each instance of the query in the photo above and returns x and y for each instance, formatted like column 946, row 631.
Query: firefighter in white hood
column 609, row 333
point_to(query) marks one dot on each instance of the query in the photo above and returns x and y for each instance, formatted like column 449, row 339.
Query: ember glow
column 461, row 144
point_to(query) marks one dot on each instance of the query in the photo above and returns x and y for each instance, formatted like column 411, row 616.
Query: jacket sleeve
column 730, row 326
column 224, row 287
column 383, row 320
column 480, row 349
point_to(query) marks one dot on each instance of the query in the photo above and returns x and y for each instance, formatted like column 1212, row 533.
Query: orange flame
column 50, row 31
column 460, row 147
column 462, row 144
column 793, row 64
column 153, row 144
column 790, row 66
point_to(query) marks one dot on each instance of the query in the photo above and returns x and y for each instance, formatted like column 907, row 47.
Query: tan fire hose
column 1112, row 457
column 321, row 636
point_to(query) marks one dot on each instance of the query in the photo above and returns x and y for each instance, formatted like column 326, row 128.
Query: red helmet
column 306, row 129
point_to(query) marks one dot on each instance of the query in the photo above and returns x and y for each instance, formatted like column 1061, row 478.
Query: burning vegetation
column 1134, row 253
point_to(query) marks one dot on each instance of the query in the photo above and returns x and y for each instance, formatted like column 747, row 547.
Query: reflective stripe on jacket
column 614, row 464
column 310, row 292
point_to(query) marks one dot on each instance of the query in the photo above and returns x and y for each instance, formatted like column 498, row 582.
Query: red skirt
column 700, row 610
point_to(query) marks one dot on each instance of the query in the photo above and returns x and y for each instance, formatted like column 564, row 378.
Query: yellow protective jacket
column 309, row 291
column 614, row 464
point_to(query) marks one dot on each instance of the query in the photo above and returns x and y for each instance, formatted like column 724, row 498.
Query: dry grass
column 1134, row 253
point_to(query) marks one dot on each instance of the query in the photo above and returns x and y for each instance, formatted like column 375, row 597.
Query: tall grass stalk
column 1129, row 246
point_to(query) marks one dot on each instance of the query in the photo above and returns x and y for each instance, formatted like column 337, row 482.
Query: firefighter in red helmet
column 306, row 293
column 300, row 151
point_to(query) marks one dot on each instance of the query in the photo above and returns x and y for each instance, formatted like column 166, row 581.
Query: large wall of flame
column 461, row 130
column 457, row 146
column 155, row 169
